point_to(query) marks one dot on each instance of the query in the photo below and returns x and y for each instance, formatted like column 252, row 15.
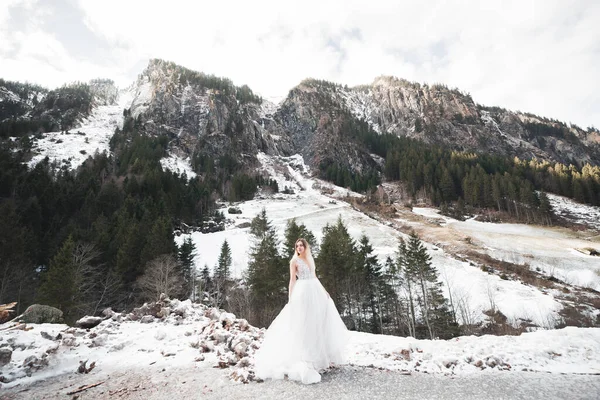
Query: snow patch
column 178, row 165
column 93, row 135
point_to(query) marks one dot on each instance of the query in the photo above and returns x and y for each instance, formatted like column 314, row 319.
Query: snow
column 178, row 165
column 474, row 290
column 269, row 106
column 577, row 212
column 93, row 135
column 6, row 94
column 141, row 97
column 547, row 249
column 361, row 105
column 195, row 337
column 569, row 350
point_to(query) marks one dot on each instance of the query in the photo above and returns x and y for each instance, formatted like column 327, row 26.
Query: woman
column 308, row 334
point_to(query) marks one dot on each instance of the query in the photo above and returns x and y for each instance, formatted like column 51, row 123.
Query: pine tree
column 293, row 232
column 545, row 208
column 185, row 255
column 367, row 265
column 335, row 265
column 267, row 275
column 434, row 308
column 407, row 274
column 159, row 241
column 58, row 285
column 222, row 278
column 223, row 269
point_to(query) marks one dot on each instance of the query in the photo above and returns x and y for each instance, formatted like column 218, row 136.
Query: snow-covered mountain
column 205, row 115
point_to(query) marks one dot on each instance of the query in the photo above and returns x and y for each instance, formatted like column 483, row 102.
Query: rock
column 244, row 362
column 5, row 356
column 212, row 313
column 32, row 363
column 108, row 313
column 240, row 349
column 146, row 319
column 47, row 336
column 164, row 312
column 220, row 336
column 69, row 340
column 226, row 319
column 88, row 322
column 243, row 324
column 83, row 369
column 206, row 347
column 181, row 308
column 99, row 341
column 152, row 309
column 42, row 314
column 118, row 347
column 53, row 348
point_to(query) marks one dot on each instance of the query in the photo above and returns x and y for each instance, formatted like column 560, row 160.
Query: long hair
column 309, row 257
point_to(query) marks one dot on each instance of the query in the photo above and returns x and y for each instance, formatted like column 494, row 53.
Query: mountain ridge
column 207, row 115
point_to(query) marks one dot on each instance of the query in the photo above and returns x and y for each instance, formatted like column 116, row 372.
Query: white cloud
column 536, row 56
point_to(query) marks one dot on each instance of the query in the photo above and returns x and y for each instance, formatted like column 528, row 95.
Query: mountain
column 210, row 117
column 203, row 115
column 91, row 168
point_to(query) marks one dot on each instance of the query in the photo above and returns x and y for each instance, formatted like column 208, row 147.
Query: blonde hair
column 307, row 252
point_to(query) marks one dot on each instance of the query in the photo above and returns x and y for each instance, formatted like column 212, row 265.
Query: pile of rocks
column 220, row 339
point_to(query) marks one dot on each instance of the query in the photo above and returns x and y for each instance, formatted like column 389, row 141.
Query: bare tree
column 162, row 275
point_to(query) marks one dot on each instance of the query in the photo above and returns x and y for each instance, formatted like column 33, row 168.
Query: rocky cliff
column 209, row 116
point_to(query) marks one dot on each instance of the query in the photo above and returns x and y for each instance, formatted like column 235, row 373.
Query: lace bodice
column 303, row 271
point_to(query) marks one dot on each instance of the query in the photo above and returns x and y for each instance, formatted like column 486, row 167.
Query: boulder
column 88, row 322
column 5, row 356
column 42, row 314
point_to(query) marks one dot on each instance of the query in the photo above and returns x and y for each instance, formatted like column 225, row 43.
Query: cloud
column 536, row 56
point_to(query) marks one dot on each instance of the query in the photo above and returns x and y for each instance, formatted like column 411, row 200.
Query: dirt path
column 344, row 383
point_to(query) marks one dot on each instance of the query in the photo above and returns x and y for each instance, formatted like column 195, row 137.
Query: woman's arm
column 292, row 278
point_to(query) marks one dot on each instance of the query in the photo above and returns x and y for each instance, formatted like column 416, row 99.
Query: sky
column 535, row 56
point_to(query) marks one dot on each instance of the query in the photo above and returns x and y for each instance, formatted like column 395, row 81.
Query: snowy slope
column 554, row 251
column 469, row 286
column 93, row 135
column 577, row 212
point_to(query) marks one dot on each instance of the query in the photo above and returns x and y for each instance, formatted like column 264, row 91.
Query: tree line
column 446, row 177
column 402, row 296
column 113, row 218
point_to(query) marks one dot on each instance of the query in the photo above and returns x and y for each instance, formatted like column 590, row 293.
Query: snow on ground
column 551, row 250
column 178, row 165
column 474, row 290
column 581, row 213
column 194, row 336
column 93, row 135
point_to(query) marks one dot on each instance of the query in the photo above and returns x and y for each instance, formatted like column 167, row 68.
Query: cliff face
column 209, row 116
column 203, row 114
column 436, row 114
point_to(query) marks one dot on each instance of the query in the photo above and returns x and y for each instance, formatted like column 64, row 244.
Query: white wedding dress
column 306, row 336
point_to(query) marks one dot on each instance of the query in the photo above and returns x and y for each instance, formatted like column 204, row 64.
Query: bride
column 308, row 334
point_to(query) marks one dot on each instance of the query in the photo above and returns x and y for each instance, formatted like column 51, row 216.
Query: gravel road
column 344, row 383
